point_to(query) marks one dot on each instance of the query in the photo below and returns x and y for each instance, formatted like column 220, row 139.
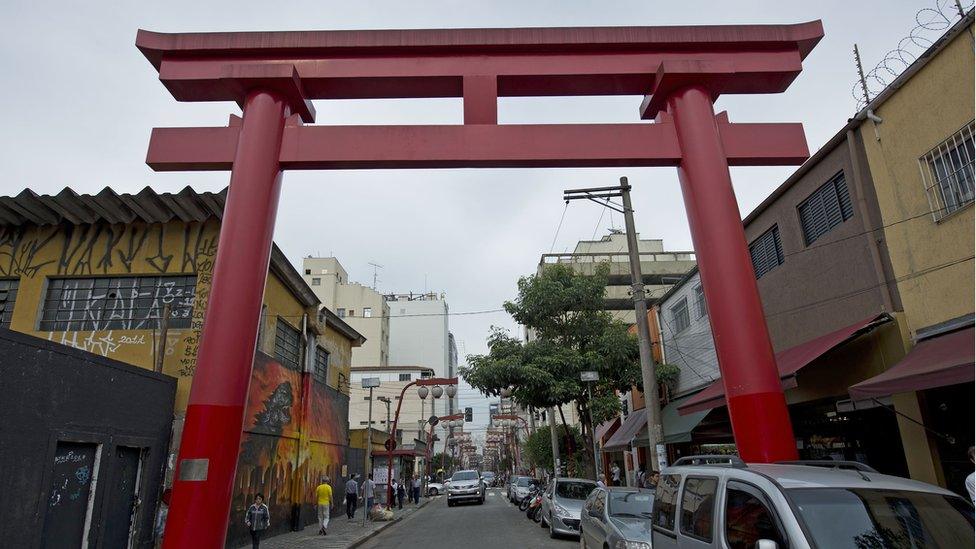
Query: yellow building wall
column 34, row 254
column 931, row 106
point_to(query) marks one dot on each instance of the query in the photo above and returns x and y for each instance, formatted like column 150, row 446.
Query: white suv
column 720, row 502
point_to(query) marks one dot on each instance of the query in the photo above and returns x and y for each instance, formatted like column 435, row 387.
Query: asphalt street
column 496, row 524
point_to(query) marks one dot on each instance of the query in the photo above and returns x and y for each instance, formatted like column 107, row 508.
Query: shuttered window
column 766, row 252
column 321, row 371
column 288, row 345
column 827, row 207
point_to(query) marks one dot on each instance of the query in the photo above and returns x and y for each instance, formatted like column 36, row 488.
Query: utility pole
column 369, row 383
column 551, row 416
column 386, row 400
column 652, row 402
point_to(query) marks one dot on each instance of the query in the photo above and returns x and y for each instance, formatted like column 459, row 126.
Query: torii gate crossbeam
column 274, row 76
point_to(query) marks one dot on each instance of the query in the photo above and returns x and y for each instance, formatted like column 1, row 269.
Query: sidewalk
column 343, row 532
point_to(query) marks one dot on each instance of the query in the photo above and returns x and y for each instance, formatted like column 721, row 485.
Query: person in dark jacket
column 257, row 519
column 401, row 492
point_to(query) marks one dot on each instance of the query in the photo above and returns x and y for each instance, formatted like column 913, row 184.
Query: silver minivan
column 617, row 517
column 721, row 502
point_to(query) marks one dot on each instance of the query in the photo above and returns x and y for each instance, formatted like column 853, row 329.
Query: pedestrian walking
column 639, row 478
column 323, row 497
column 615, row 475
column 368, row 489
column 352, row 496
column 401, row 492
column 971, row 479
column 257, row 519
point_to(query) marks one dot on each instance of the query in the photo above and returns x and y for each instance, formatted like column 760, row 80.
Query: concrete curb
column 376, row 532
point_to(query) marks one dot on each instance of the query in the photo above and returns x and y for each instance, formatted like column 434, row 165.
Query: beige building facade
column 360, row 306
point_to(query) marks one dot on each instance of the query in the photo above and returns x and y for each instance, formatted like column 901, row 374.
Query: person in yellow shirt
column 323, row 496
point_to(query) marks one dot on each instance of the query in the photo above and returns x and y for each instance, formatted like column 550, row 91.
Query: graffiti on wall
column 102, row 248
column 293, row 435
column 124, row 249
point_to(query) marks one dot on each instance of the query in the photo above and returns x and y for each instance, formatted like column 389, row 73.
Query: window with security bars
column 117, row 303
column 680, row 320
column 826, row 208
column 8, row 296
column 321, row 366
column 288, row 345
column 766, row 252
column 947, row 172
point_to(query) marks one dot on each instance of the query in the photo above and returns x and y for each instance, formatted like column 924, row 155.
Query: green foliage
column 572, row 334
column 667, row 373
column 538, row 448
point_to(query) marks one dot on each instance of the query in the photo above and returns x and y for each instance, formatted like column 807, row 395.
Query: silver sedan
column 617, row 517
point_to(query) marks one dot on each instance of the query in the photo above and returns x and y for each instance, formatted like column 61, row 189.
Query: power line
column 558, row 227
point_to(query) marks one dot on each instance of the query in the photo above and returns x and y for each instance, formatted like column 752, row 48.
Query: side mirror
column 766, row 544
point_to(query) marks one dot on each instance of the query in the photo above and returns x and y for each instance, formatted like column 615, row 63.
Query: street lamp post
column 369, row 383
column 590, row 378
column 422, row 391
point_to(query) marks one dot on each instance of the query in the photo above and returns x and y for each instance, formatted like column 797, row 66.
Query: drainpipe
column 862, row 208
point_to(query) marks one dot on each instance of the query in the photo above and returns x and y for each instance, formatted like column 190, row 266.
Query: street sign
column 370, row 382
column 390, row 444
column 590, row 376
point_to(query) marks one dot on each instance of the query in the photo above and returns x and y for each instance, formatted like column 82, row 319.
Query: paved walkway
column 343, row 532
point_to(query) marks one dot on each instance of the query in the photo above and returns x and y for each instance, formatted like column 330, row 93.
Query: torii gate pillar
column 756, row 404
column 271, row 75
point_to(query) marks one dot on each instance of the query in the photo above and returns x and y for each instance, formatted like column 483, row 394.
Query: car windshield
column 856, row 517
column 631, row 504
column 465, row 475
column 574, row 489
column 526, row 481
column 489, row 475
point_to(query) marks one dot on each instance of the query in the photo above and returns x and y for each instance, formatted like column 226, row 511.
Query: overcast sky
column 79, row 102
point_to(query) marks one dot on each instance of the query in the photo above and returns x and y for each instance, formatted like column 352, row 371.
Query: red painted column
column 211, row 439
column 757, row 407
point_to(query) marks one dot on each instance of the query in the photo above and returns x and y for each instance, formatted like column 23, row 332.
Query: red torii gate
column 274, row 76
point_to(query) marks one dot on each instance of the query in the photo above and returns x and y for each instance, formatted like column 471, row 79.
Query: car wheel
column 432, row 492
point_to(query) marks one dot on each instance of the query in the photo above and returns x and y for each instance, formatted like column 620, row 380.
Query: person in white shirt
column 615, row 475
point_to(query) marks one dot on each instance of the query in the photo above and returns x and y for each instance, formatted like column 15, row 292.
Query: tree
column 572, row 334
column 538, row 449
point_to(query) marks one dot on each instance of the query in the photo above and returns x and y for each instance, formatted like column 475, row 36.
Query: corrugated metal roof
column 108, row 206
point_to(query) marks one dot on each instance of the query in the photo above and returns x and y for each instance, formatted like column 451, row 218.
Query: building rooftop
column 148, row 206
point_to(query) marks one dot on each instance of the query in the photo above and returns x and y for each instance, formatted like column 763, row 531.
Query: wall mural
column 295, row 432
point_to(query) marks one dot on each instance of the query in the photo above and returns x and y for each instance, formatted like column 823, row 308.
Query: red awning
column 943, row 360
column 607, row 428
column 789, row 362
column 627, row 431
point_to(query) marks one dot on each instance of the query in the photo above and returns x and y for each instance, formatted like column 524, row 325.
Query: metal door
column 68, row 502
column 123, row 498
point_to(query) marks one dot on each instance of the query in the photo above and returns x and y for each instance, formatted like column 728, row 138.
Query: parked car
column 435, row 488
column 465, row 486
column 562, row 505
column 617, row 517
column 521, row 488
column 718, row 501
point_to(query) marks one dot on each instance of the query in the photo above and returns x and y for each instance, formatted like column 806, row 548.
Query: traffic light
column 468, row 414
